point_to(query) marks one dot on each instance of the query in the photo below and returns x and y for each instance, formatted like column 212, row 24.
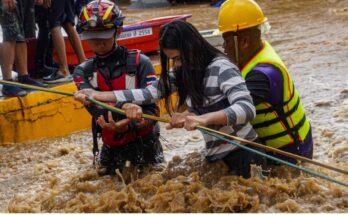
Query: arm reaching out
column 213, row 118
column 83, row 94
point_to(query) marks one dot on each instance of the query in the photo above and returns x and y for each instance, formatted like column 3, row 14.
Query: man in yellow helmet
column 280, row 121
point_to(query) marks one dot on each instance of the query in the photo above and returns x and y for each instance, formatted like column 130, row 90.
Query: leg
column 49, row 61
column 106, row 161
column 56, row 17
column 11, row 31
column 22, row 66
column 8, row 53
column 59, row 45
column 21, row 58
column 43, row 38
column 63, row 74
column 44, row 56
column 71, row 31
column 27, row 23
column 152, row 150
column 75, row 41
column 44, row 51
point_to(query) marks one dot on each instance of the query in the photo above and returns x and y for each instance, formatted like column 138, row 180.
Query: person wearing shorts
column 61, row 14
column 18, row 24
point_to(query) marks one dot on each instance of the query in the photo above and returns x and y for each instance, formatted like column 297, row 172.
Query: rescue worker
column 280, row 117
column 116, row 68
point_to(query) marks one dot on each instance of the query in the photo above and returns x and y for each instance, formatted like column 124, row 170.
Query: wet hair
column 195, row 53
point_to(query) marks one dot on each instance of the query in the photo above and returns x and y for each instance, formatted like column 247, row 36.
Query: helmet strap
column 236, row 49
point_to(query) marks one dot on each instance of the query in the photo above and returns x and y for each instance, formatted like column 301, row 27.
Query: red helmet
column 100, row 15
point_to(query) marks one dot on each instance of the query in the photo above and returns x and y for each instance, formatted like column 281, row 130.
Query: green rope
column 274, row 158
column 30, row 87
column 202, row 130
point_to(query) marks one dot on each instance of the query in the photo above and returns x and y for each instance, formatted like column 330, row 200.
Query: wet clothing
column 259, row 86
column 61, row 12
column 239, row 161
column 141, row 141
column 280, row 120
column 147, row 150
column 305, row 150
column 225, row 90
column 18, row 24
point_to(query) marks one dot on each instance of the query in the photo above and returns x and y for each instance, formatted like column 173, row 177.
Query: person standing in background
column 18, row 24
column 61, row 14
column 44, row 62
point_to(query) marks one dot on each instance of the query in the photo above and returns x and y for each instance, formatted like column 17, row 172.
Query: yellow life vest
column 283, row 124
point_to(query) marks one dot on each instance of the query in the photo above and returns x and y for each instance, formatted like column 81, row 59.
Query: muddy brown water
column 56, row 175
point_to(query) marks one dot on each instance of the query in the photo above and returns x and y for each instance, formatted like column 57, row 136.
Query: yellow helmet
column 237, row 15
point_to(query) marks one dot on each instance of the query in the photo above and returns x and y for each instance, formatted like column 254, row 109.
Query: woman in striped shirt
column 209, row 86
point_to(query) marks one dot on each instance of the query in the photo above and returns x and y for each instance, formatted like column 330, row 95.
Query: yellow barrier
column 40, row 115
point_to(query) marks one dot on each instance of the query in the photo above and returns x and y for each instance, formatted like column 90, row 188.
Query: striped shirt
column 225, row 89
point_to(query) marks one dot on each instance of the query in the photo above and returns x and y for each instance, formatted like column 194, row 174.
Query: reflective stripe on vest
column 283, row 124
column 130, row 82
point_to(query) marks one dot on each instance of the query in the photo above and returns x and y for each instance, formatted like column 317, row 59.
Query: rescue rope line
column 278, row 151
column 275, row 159
column 114, row 109
column 209, row 131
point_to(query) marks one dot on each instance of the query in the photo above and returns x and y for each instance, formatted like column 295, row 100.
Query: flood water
column 311, row 36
